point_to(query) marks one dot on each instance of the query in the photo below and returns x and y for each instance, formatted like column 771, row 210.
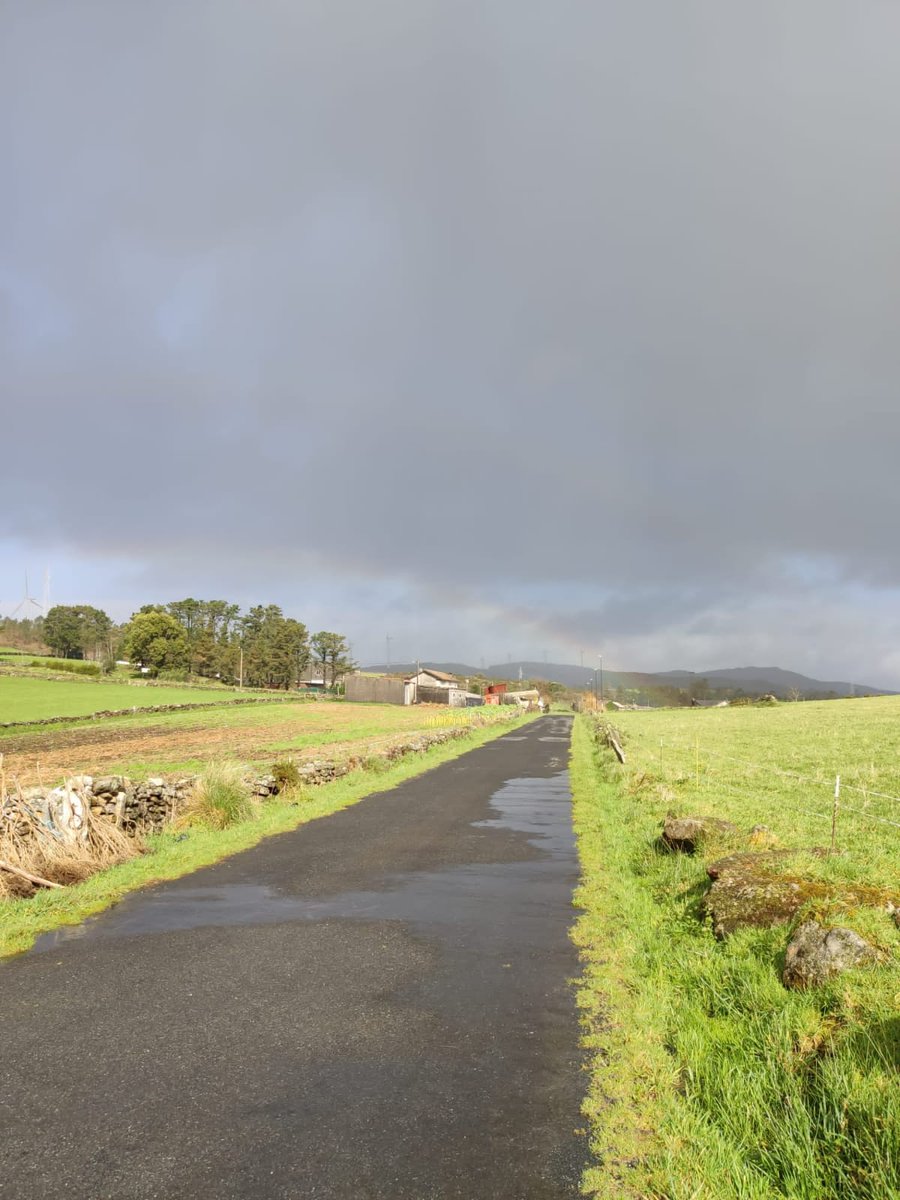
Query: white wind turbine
column 28, row 607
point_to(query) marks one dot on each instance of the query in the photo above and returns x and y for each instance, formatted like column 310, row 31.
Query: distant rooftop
column 437, row 674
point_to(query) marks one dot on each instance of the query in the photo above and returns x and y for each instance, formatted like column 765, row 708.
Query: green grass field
column 712, row 1081
column 778, row 766
column 24, row 699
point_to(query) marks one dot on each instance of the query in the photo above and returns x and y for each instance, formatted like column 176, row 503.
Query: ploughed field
column 143, row 744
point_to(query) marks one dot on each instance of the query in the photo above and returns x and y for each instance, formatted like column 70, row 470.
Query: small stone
column 814, row 955
column 107, row 784
column 762, row 836
column 685, row 834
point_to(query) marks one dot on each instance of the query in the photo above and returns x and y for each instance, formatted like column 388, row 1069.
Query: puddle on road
column 539, row 808
column 536, row 806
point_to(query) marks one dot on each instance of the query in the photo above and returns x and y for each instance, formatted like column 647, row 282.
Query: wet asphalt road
column 377, row 1005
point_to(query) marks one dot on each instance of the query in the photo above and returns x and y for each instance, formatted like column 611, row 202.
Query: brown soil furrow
column 98, row 750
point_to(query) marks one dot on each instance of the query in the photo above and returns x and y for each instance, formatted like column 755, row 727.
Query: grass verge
column 173, row 854
column 709, row 1080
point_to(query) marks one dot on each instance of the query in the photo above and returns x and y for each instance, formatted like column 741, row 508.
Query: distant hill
column 752, row 681
column 772, row 679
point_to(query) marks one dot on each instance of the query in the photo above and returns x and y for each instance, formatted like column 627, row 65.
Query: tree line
column 209, row 638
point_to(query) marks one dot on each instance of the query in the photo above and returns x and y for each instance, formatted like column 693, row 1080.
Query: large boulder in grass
column 755, row 862
column 686, row 834
column 814, row 955
column 748, row 890
column 745, row 891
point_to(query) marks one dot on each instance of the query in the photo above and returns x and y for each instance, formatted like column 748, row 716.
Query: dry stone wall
column 142, row 806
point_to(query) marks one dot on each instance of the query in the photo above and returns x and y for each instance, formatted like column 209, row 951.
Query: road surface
column 377, row 1006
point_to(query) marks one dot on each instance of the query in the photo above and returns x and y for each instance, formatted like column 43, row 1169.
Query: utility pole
column 600, row 656
column 241, row 676
column 387, row 641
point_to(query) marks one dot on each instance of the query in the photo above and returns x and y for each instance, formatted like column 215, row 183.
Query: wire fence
column 840, row 786
column 696, row 759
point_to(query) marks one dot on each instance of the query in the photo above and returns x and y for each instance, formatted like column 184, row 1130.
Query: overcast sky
column 499, row 328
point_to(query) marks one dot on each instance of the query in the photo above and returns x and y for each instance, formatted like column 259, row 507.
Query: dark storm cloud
column 356, row 284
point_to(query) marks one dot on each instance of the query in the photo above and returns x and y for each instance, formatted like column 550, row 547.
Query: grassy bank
column 173, row 854
column 711, row 1081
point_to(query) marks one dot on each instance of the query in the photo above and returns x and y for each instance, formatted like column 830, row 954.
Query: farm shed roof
column 442, row 675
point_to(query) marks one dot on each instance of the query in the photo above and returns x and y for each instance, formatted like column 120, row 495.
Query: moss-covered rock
column 749, row 890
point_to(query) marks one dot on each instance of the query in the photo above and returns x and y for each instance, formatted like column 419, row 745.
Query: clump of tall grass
column 28, row 845
column 376, row 764
column 286, row 774
column 221, row 797
column 291, row 789
column 73, row 666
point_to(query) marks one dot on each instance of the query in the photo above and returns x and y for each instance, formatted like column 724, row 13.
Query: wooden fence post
column 834, row 811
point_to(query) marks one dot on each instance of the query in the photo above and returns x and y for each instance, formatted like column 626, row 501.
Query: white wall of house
column 424, row 679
